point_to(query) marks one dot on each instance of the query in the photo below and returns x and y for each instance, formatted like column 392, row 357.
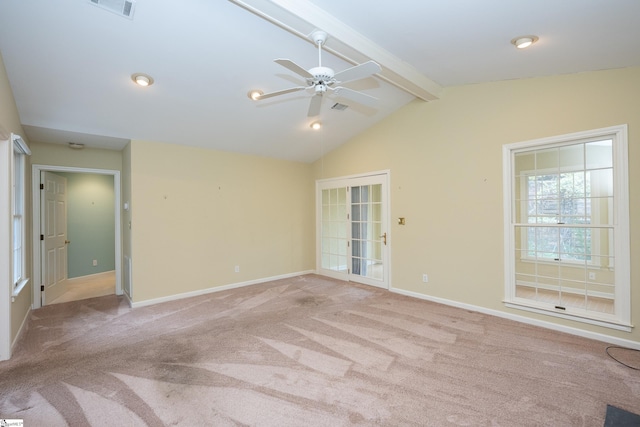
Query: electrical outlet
column 425, row 278
column 95, row 262
column 237, row 269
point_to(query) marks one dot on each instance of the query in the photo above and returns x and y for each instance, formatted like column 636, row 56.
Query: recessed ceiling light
column 315, row 125
column 255, row 94
column 142, row 79
column 522, row 42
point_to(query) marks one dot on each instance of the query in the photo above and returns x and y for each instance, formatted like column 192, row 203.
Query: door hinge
column 41, row 288
column 42, row 186
column 42, row 237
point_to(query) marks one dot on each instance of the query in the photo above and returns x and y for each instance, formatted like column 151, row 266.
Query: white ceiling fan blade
column 314, row 106
column 292, row 66
column 355, row 96
column 280, row 92
column 361, row 71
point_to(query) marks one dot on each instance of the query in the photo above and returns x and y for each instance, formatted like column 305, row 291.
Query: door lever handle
column 384, row 239
column 66, row 242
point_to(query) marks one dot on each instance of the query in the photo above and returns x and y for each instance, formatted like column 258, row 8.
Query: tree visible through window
column 559, row 199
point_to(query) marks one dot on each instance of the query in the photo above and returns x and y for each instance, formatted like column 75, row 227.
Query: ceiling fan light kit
column 255, row 94
column 323, row 80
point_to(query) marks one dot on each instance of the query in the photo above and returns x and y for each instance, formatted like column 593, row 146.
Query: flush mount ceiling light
column 524, row 41
column 255, row 94
column 142, row 79
column 315, row 125
column 76, row 145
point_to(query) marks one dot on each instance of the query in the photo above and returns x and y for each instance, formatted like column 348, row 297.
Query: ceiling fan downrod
column 319, row 37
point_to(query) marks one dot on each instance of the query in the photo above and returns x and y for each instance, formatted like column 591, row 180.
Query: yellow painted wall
column 197, row 213
column 10, row 123
column 445, row 159
column 89, row 158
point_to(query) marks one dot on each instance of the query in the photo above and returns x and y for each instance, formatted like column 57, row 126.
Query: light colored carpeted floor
column 306, row 351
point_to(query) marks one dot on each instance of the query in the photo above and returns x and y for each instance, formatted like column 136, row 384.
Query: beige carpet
column 306, row 351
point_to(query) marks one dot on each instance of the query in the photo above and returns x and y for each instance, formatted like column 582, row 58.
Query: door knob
column 66, row 242
column 384, row 239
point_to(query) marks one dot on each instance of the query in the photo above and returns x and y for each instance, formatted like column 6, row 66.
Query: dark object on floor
column 617, row 417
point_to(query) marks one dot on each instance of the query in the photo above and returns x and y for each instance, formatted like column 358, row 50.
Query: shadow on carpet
column 617, row 417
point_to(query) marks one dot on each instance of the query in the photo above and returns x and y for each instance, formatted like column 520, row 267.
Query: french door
column 353, row 237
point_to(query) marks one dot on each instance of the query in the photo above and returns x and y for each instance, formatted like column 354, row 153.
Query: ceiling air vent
column 123, row 8
column 339, row 107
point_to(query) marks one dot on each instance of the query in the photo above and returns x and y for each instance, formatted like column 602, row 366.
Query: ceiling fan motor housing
column 322, row 75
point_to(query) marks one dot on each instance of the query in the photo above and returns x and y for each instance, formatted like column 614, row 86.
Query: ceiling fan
column 322, row 80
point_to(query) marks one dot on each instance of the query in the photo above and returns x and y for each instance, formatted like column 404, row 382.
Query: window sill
column 567, row 262
column 607, row 323
column 18, row 288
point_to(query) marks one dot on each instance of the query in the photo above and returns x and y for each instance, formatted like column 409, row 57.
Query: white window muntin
column 622, row 316
column 18, row 210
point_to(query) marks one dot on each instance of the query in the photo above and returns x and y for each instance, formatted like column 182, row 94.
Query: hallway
column 85, row 287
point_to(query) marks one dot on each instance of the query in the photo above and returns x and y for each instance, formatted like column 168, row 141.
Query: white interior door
column 353, row 229
column 53, row 231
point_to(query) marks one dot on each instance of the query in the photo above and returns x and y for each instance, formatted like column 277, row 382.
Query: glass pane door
column 367, row 238
column 334, row 230
column 352, row 230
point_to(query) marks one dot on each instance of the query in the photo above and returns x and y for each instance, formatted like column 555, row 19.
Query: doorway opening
column 353, row 229
column 44, row 261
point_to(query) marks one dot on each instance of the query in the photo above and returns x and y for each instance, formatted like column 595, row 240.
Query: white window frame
column 621, row 318
column 18, row 212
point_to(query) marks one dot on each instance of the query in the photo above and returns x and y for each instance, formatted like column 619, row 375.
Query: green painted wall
column 91, row 223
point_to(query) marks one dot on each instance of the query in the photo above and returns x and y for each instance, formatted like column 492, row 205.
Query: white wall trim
column 523, row 319
column 36, row 170
column 216, row 289
column 350, row 181
column 128, row 299
column 619, row 136
column 88, row 276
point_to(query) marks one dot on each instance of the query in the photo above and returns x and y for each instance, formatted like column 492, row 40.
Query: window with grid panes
column 567, row 226
column 20, row 151
column 334, row 239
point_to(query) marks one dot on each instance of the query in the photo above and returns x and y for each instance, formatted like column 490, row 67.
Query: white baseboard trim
column 216, row 289
column 102, row 273
column 523, row 319
column 21, row 330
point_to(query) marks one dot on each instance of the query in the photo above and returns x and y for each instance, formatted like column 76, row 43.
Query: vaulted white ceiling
column 70, row 63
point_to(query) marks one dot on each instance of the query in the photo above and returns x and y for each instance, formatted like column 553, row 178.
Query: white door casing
column 353, row 239
column 38, row 206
